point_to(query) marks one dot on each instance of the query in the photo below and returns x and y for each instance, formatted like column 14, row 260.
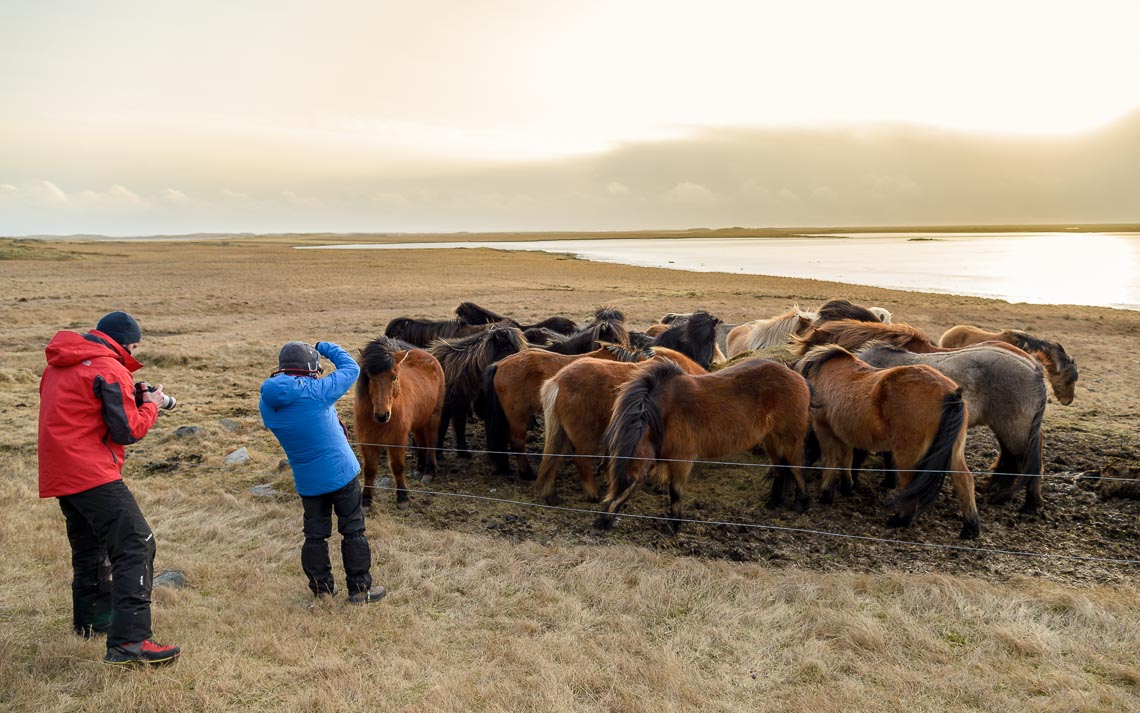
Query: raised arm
column 336, row 385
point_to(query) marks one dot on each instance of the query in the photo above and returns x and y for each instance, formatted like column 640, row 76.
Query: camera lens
column 168, row 402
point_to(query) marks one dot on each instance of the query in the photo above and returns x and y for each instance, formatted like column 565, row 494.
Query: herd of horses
column 814, row 390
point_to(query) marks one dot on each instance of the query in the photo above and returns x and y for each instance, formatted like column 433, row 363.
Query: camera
column 168, row 401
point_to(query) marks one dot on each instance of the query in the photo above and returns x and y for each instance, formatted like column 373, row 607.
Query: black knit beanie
column 121, row 327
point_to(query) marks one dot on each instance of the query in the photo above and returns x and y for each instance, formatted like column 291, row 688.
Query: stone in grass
column 238, row 457
column 189, row 431
column 264, row 490
column 230, row 424
column 171, row 578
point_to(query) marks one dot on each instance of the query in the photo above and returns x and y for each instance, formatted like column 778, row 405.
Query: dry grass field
column 498, row 607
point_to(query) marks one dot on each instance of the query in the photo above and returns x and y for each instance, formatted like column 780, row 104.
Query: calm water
column 1045, row 268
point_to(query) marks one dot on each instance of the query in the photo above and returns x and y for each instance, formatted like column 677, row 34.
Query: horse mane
column 639, row 340
column 471, row 313
column 375, row 358
column 541, row 336
column 834, row 310
column 560, row 325
column 634, row 411
column 777, row 330
column 621, row 353
column 1056, row 353
column 464, row 360
column 421, row 332
column 694, row 337
column 819, row 355
column 607, row 313
column 853, row 334
column 588, row 339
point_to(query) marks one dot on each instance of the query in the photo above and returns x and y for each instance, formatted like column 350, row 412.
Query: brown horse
column 399, row 392
column 853, row 334
column 664, row 420
column 576, row 405
column 915, row 412
column 1004, row 391
column 511, row 390
column 1059, row 366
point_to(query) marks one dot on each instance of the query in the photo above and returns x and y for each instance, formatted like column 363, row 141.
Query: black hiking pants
column 353, row 545
column 112, row 562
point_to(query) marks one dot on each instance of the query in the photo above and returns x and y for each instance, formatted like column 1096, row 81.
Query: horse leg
column 618, row 494
column 905, row 476
column 371, row 459
column 890, row 474
column 517, row 439
column 585, row 466
column 1004, row 476
column 678, row 478
column 441, row 429
column 459, row 421
column 555, row 443
column 783, row 453
column 963, row 481
column 396, row 456
column 425, row 453
column 836, row 461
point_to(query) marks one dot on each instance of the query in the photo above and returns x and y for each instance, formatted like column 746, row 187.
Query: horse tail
column 932, row 467
column 635, row 412
column 495, row 420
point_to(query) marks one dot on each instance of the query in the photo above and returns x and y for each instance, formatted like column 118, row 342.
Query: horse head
column 379, row 380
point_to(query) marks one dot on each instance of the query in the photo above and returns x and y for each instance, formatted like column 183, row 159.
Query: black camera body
column 141, row 387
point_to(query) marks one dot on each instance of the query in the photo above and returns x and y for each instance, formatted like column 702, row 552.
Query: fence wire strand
column 749, row 525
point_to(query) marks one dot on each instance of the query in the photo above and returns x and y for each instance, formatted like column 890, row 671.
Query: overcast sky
column 130, row 118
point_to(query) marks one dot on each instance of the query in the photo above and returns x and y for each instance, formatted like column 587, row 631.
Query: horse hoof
column 970, row 531
column 827, row 497
column 1030, row 509
column 529, row 477
column 1000, row 497
column 800, row 507
column 772, row 504
column 403, row 504
column 425, row 478
column 897, row 520
column 847, row 490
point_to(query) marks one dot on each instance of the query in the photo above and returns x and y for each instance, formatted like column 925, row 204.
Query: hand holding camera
column 145, row 393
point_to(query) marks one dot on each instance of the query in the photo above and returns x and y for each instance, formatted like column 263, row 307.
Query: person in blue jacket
column 300, row 409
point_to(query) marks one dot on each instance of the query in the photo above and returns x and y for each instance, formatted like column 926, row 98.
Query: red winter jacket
column 87, row 412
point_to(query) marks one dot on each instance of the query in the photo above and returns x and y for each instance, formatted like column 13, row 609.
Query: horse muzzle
column 382, row 417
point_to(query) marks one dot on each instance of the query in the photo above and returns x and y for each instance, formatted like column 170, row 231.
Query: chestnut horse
column 464, row 361
column 1004, row 391
column 665, row 419
column 399, row 392
column 853, row 334
column 511, row 390
column 576, row 405
column 694, row 336
column 1059, row 366
column 915, row 412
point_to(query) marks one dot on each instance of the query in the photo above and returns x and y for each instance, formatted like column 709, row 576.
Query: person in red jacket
column 88, row 413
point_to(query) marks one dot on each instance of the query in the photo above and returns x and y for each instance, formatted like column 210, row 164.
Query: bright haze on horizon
column 137, row 118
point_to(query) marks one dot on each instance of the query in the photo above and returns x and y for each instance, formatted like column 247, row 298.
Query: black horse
column 464, row 361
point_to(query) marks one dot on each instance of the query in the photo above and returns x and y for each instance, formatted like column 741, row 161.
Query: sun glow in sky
column 129, row 112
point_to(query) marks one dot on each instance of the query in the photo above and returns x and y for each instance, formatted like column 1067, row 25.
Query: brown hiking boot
column 368, row 596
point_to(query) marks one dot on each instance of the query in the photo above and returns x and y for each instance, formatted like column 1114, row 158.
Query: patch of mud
column 1075, row 521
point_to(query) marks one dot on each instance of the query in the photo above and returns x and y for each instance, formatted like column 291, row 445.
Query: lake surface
column 1101, row 269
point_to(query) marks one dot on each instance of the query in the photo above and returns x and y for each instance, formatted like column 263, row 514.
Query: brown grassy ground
column 507, row 608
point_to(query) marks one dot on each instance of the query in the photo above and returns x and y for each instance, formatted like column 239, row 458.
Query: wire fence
column 749, row 525
column 745, row 464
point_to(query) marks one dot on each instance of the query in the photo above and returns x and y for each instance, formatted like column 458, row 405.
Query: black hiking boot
column 141, row 652
column 368, row 596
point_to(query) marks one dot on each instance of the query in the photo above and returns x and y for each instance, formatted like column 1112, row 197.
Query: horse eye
column 394, row 377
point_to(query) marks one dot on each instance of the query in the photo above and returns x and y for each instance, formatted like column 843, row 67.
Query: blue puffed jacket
column 301, row 412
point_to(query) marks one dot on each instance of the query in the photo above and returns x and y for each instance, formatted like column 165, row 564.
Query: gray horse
column 1004, row 390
